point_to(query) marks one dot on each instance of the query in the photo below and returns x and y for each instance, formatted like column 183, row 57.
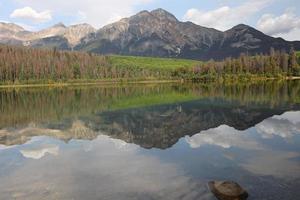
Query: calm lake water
column 150, row 141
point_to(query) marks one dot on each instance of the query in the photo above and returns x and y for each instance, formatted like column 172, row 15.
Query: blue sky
column 280, row 18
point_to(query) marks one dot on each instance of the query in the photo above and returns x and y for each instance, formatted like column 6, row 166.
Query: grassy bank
column 152, row 63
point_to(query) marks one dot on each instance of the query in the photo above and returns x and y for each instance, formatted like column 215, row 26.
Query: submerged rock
column 227, row 190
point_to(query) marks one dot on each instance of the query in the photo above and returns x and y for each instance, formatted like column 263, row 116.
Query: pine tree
column 293, row 65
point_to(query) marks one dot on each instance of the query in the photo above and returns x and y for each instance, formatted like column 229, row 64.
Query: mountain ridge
column 73, row 34
column 155, row 33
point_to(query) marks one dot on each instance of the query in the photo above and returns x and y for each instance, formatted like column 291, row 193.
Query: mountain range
column 157, row 33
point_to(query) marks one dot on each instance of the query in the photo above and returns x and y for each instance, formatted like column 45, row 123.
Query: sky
column 278, row 18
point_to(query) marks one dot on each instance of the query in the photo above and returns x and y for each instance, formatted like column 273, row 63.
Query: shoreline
column 120, row 82
column 86, row 83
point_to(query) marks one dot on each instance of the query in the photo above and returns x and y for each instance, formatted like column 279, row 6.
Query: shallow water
column 150, row 141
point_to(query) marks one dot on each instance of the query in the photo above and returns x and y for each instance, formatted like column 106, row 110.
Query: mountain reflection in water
column 150, row 142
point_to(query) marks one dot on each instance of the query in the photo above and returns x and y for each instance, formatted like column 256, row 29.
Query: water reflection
column 265, row 159
column 282, row 126
column 150, row 142
column 223, row 136
column 39, row 150
column 285, row 126
column 99, row 169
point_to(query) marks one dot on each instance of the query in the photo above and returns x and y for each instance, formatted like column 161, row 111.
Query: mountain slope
column 243, row 38
column 9, row 33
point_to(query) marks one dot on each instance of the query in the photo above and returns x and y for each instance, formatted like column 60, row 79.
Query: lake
column 154, row 141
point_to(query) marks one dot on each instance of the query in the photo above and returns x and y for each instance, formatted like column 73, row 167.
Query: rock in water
column 227, row 190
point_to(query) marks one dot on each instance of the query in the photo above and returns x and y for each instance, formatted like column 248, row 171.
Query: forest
column 28, row 65
column 276, row 64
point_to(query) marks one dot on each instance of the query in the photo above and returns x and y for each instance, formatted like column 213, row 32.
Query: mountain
column 59, row 35
column 157, row 33
column 9, row 33
column 243, row 38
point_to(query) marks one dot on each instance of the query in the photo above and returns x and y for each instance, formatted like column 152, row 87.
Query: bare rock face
column 9, row 33
column 10, row 28
column 227, row 190
column 75, row 33
column 55, row 30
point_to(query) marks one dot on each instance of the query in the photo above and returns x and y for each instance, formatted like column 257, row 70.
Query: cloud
column 226, row 17
column 291, row 36
column 276, row 25
column 31, row 14
column 278, row 127
column 95, row 12
column 108, row 169
column 292, row 116
column 223, row 136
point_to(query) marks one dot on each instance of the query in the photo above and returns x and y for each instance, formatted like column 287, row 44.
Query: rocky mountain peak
column 56, row 30
column 241, row 27
column 163, row 15
column 142, row 14
column 11, row 27
column 9, row 33
column 75, row 33
column 59, row 25
column 83, row 25
column 245, row 31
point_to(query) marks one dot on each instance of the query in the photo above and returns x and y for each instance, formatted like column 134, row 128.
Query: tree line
column 22, row 64
column 276, row 63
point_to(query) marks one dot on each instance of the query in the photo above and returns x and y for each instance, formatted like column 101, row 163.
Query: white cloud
column 95, row 12
column 279, row 25
column 292, row 116
column 226, row 17
column 222, row 136
column 31, row 14
column 110, row 168
column 278, row 127
column 291, row 36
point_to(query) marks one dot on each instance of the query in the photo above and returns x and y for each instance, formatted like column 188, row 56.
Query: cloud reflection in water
column 263, row 160
column 95, row 170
